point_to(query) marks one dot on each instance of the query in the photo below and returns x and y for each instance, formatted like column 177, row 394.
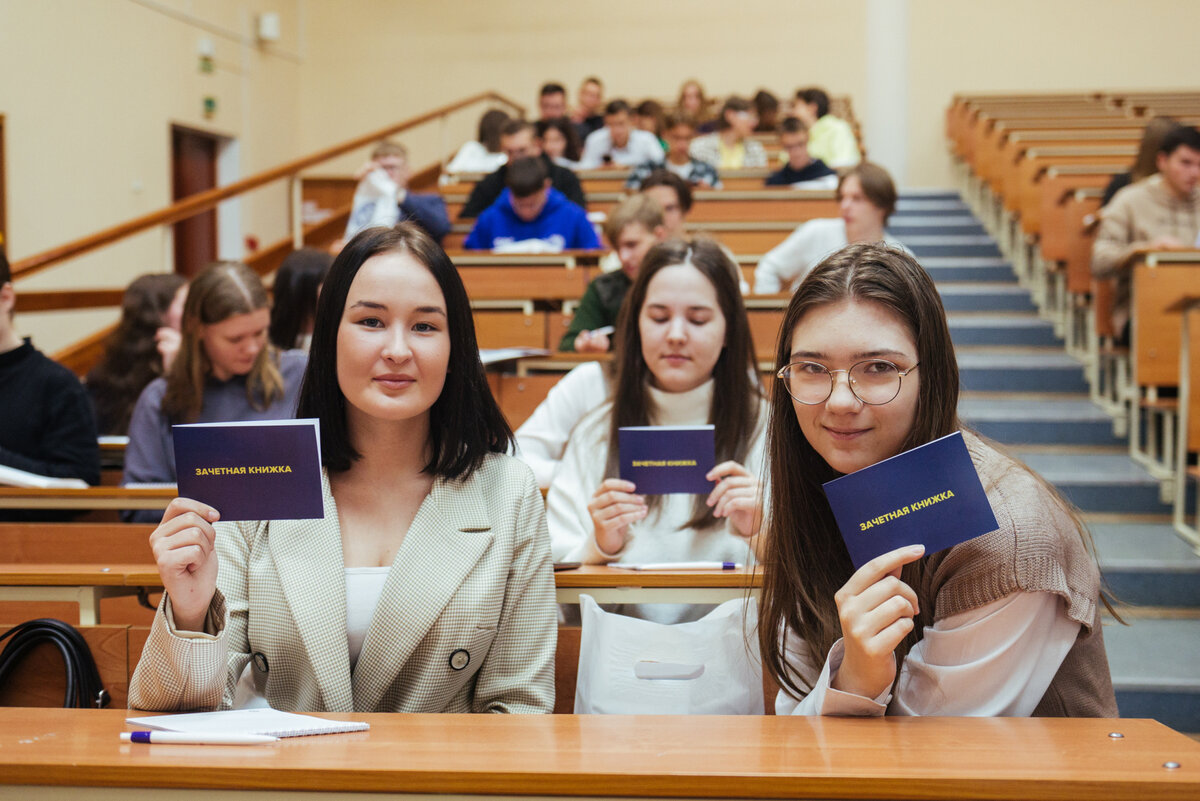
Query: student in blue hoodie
column 531, row 216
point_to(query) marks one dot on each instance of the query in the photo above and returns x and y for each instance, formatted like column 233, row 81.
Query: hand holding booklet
column 267, row 470
column 929, row 495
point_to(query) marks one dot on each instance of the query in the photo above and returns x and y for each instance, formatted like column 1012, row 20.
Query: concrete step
column 1147, row 564
column 1014, row 370
column 921, row 225
column 1154, row 669
column 1075, row 421
column 992, row 296
column 1097, row 481
column 1011, row 328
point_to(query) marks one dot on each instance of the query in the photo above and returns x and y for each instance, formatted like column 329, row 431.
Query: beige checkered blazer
column 473, row 575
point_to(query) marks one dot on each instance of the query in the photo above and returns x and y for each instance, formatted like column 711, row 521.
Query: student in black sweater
column 801, row 168
column 46, row 421
column 518, row 140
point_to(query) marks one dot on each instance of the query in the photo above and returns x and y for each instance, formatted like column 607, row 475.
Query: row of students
column 456, row 611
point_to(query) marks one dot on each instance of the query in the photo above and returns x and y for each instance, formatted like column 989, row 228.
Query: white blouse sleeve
column 542, row 438
column 572, row 535
column 779, row 268
column 993, row 661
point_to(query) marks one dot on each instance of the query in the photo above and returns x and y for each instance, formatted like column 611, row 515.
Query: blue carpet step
column 929, row 244
column 907, row 227
column 1031, row 420
column 1008, row 328
column 1099, row 480
column 994, row 296
column 1019, row 370
column 1153, row 663
column 933, row 205
column 959, row 269
column 1147, row 564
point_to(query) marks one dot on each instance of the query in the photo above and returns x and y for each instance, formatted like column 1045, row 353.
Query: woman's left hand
column 737, row 497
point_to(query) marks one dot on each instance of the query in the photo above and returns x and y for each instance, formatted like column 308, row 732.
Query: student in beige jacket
column 427, row 587
column 1161, row 212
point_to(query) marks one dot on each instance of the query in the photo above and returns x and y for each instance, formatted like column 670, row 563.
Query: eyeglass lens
column 873, row 382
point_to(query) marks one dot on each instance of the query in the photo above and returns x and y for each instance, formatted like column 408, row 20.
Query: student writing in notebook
column 1004, row 624
column 683, row 356
column 428, row 586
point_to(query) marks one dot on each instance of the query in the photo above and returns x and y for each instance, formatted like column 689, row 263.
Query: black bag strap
column 84, row 689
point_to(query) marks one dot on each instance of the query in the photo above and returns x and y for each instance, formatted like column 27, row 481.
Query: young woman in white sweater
column 684, row 357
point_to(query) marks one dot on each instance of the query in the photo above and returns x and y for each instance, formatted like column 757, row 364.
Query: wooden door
column 193, row 169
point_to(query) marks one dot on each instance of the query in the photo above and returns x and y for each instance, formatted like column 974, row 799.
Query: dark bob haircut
column 465, row 424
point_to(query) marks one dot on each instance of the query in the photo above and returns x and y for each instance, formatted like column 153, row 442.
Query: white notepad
column 263, row 720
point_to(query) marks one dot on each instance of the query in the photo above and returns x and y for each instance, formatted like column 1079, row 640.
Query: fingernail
column 917, row 549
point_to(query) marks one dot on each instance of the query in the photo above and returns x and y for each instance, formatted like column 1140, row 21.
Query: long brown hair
column 736, row 390
column 806, row 559
column 220, row 291
column 1146, row 162
column 131, row 359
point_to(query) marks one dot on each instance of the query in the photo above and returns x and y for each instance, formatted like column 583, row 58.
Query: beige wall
column 90, row 88
column 1035, row 45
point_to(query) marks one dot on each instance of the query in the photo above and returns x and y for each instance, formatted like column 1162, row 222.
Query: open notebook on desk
column 262, row 720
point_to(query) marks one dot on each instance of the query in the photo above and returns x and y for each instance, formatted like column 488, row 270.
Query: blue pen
column 679, row 565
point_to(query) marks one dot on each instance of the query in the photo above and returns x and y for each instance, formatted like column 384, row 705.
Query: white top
column 542, row 438
column 364, row 586
column 996, row 660
column 642, row 146
column 474, row 157
column 657, row 538
column 793, row 258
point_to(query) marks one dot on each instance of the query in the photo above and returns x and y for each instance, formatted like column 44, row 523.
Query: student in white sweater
column 866, row 198
column 684, row 357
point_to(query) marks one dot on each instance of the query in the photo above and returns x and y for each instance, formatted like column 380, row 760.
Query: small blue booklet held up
column 265, row 470
column 662, row 460
column 930, row 495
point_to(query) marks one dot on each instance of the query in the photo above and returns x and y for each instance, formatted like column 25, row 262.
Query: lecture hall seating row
column 1033, row 168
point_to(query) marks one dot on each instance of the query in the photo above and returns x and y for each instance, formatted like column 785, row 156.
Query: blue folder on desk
column 930, row 495
column 267, row 470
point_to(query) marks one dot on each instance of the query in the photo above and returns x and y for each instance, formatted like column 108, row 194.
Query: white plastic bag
column 374, row 203
column 629, row 666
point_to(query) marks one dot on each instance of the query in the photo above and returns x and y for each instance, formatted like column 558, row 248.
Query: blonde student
column 1004, row 624
column 427, row 586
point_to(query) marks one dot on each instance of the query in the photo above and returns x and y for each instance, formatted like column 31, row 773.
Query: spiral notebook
column 262, row 720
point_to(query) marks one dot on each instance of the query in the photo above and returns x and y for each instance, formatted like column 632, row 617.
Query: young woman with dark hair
column 684, row 356
column 225, row 370
column 731, row 146
column 560, row 141
column 294, row 297
column 427, row 586
column 482, row 154
column 1004, row 624
column 137, row 351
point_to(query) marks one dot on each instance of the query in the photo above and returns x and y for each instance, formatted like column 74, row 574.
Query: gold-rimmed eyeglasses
column 873, row 381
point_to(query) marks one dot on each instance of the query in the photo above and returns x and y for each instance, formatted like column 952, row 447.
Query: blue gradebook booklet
column 662, row 460
column 266, row 470
column 929, row 495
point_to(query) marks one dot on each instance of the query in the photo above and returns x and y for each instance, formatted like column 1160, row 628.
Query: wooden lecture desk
column 76, row 754
column 90, row 498
column 87, row 584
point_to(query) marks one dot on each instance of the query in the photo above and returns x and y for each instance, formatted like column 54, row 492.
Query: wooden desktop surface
column 620, row 756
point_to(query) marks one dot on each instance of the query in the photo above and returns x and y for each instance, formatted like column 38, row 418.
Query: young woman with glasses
column 1004, row 624
column 683, row 356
